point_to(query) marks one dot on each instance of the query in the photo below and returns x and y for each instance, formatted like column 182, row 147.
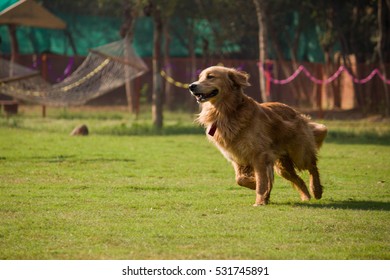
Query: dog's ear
column 239, row 78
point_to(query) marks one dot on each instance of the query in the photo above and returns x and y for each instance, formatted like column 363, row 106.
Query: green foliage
column 359, row 132
column 174, row 197
column 97, row 7
column 351, row 27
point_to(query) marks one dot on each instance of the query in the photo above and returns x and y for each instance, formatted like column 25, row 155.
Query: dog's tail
column 319, row 131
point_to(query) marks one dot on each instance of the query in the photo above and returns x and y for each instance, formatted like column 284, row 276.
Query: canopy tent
column 30, row 13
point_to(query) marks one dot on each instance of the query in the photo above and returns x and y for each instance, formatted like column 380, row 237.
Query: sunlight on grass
column 173, row 196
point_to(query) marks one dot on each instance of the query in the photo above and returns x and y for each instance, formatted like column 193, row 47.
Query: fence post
column 320, row 112
column 45, row 76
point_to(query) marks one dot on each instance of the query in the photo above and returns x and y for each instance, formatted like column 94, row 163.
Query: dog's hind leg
column 315, row 184
column 285, row 168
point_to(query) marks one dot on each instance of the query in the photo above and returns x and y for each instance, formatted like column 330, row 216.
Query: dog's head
column 217, row 83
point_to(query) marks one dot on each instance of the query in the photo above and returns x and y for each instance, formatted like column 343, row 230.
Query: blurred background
column 341, row 49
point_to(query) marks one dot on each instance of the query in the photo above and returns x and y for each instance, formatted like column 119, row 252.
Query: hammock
column 104, row 69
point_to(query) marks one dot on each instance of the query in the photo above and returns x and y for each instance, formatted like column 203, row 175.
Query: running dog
column 258, row 138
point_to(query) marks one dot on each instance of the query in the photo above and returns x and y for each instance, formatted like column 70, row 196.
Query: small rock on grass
column 81, row 130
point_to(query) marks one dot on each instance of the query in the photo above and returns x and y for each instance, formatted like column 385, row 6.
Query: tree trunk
column 304, row 95
column 382, row 12
column 191, row 50
column 333, row 89
column 14, row 49
column 168, row 68
column 157, row 97
column 320, row 113
column 14, row 46
column 262, row 51
column 127, row 32
column 336, row 86
column 285, row 69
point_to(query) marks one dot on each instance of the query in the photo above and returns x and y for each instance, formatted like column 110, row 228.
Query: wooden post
column 14, row 52
column 259, row 5
column 14, row 43
column 127, row 32
column 45, row 75
column 320, row 113
column 129, row 85
column 157, row 105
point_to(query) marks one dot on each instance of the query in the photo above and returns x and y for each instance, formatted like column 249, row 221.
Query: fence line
column 342, row 68
column 170, row 80
column 296, row 73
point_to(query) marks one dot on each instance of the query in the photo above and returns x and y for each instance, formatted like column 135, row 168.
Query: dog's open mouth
column 202, row 97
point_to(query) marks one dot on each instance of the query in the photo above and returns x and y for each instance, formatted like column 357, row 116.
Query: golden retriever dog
column 258, row 138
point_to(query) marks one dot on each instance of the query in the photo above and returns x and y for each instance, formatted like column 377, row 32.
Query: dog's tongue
column 200, row 97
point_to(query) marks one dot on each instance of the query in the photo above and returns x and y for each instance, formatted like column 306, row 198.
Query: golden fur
column 256, row 138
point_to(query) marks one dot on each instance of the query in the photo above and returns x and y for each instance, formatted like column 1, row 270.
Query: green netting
column 6, row 3
column 91, row 31
column 87, row 32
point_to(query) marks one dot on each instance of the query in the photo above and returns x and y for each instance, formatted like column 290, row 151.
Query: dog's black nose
column 192, row 87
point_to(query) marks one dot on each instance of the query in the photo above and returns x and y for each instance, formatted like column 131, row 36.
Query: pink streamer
column 329, row 80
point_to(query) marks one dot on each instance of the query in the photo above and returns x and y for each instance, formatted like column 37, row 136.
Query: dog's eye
column 210, row 76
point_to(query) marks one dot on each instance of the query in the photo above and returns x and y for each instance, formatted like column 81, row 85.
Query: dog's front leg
column 264, row 174
column 244, row 176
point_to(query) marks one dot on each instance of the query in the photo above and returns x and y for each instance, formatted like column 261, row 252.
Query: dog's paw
column 261, row 200
column 263, row 203
column 317, row 192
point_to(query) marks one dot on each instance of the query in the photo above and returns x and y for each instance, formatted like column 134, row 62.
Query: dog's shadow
column 348, row 205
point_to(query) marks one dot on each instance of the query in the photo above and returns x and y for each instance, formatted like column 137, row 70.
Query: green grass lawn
column 171, row 195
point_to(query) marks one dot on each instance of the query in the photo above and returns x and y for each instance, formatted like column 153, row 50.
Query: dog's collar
column 212, row 130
